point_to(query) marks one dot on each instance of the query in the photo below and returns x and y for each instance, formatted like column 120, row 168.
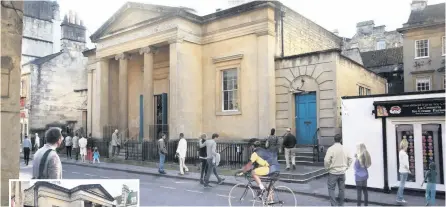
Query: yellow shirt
column 255, row 158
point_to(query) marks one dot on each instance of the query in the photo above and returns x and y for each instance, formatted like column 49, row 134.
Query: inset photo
column 74, row 193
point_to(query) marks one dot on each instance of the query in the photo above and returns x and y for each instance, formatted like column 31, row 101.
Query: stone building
column 424, row 47
column 41, row 37
column 128, row 198
column 11, row 46
column 44, row 193
column 57, row 83
column 221, row 72
column 370, row 38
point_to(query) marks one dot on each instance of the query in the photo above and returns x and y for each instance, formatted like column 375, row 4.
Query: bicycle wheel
column 281, row 196
column 241, row 195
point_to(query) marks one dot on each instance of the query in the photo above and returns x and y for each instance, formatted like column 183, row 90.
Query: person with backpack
column 362, row 163
column 272, row 143
column 46, row 162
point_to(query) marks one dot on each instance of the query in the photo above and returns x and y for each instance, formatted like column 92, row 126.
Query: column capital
column 148, row 49
column 122, row 56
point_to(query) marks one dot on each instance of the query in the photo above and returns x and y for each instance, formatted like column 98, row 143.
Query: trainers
column 221, row 181
column 294, row 167
column 287, row 169
column 207, row 185
column 260, row 193
column 401, row 201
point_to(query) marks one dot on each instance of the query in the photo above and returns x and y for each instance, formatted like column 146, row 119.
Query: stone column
column 266, row 82
column 89, row 102
column 148, row 107
column 102, row 94
column 123, row 92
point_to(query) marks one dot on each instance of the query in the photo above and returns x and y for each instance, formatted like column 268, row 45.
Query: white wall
column 359, row 125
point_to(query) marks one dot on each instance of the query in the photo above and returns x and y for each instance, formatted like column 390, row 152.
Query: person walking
column 83, row 148
column 431, row 178
column 76, row 146
column 26, row 149
column 289, row 143
column 272, row 143
column 181, row 152
column 36, row 142
column 46, row 162
column 203, row 158
column 362, row 163
column 211, row 152
column 68, row 145
column 336, row 162
column 90, row 148
column 162, row 151
column 403, row 170
column 96, row 155
column 114, row 142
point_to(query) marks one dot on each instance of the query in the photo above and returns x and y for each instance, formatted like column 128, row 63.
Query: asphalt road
column 162, row 191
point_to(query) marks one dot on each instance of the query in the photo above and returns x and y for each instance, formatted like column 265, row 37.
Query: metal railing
column 232, row 154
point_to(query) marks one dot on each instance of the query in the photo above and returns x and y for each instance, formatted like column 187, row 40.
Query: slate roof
column 44, row 59
column 431, row 15
column 378, row 58
column 75, row 189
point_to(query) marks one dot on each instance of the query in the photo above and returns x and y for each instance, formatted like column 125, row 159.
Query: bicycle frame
column 271, row 181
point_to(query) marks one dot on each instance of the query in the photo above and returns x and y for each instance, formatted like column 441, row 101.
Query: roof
column 44, row 59
column 183, row 13
column 378, row 58
column 88, row 52
column 431, row 15
column 75, row 189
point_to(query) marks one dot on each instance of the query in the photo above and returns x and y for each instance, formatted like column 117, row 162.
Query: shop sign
column 407, row 108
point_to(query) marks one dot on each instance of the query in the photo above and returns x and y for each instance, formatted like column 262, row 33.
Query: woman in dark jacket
column 202, row 155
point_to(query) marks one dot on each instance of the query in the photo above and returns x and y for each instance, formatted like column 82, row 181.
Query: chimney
column 73, row 32
column 418, row 5
column 365, row 27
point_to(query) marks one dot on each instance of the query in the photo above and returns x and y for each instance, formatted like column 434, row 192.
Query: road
column 162, row 191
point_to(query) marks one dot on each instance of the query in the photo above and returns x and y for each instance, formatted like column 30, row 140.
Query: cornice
column 227, row 58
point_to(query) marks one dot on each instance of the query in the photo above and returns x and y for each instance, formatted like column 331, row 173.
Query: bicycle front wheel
column 241, row 195
column 281, row 196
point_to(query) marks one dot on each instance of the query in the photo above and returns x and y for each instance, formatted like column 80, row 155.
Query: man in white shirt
column 76, row 145
column 181, row 152
column 83, row 148
column 336, row 162
column 68, row 145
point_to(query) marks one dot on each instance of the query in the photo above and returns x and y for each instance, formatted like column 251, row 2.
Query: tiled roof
column 378, row 58
column 43, row 59
column 431, row 14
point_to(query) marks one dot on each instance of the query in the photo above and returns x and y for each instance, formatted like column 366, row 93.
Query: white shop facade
column 382, row 121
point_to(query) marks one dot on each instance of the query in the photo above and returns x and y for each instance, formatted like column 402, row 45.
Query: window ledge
column 418, row 58
column 422, row 71
column 228, row 113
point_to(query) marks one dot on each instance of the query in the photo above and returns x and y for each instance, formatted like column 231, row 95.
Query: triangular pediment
column 131, row 17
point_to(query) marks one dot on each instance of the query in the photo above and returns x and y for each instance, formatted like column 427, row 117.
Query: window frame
column 418, row 79
column 222, row 91
column 222, row 64
column 364, row 90
column 416, row 49
column 380, row 42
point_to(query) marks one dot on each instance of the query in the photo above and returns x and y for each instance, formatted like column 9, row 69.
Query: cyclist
column 262, row 163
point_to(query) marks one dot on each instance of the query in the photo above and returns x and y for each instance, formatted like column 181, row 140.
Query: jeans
column 430, row 193
column 162, row 159
column 290, row 153
column 26, row 151
column 76, row 152
column 68, row 151
column 211, row 168
column 399, row 194
column 361, row 187
column 332, row 181
column 204, row 168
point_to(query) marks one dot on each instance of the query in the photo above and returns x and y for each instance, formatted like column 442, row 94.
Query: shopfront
column 418, row 118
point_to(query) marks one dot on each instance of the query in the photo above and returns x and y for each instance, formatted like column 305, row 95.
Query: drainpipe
column 282, row 14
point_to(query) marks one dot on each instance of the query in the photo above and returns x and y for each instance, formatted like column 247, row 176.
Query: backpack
column 42, row 164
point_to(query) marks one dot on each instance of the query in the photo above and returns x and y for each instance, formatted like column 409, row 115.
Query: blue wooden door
column 306, row 118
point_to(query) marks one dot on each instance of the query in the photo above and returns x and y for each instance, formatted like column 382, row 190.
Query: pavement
column 316, row 189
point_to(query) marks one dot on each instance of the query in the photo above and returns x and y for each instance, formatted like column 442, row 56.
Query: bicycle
column 269, row 198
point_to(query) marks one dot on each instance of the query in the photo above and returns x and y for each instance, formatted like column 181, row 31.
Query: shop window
column 405, row 132
column 432, row 145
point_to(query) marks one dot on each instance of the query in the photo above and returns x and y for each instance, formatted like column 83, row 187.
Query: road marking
column 75, row 172
column 167, row 187
column 103, row 177
column 194, row 191
column 181, row 182
column 226, row 196
column 89, row 174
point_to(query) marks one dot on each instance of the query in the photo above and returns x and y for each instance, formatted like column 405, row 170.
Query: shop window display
column 431, row 145
column 405, row 131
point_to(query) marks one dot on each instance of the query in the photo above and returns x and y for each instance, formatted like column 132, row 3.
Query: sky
column 113, row 186
column 330, row 14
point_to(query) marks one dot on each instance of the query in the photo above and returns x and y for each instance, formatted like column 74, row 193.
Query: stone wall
column 58, row 90
column 11, row 44
column 36, row 48
column 318, row 71
column 301, row 35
